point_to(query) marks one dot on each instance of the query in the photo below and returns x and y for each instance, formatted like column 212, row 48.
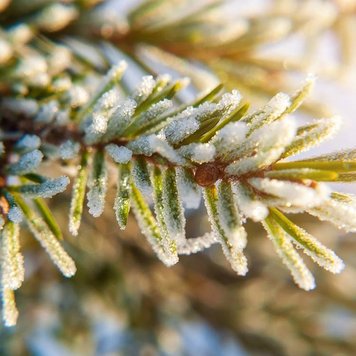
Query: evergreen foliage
column 66, row 101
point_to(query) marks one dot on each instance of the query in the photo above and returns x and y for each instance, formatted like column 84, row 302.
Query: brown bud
column 207, row 174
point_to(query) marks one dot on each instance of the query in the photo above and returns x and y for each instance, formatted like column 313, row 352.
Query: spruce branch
column 62, row 105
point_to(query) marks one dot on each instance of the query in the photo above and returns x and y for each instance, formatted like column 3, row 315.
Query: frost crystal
column 28, row 143
column 189, row 191
column 197, row 244
column 120, row 118
column 144, row 89
column 15, row 214
column 289, row 255
column 151, row 115
column 26, row 163
column 77, row 96
column 311, row 135
column 141, row 177
column 56, row 16
column 150, row 229
column 47, row 112
column 249, row 207
column 292, row 193
column 340, row 209
column 49, row 242
column 97, row 186
column 47, row 189
column 69, row 149
column 232, row 249
column 120, row 154
column 12, row 264
column 271, row 112
column 229, row 139
column 263, row 147
column 311, row 246
column 198, row 152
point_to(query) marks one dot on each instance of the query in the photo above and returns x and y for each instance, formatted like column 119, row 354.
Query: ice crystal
column 47, row 112
column 69, row 149
column 197, row 244
column 28, row 143
column 97, row 185
column 15, row 214
column 189, row 190
column 12, row 264
column 28, row 162
column 120, row 154
column 249, row 206
column 47, row 189
column 289, row 255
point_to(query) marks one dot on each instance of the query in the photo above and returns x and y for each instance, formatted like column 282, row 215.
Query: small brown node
column 207, row 174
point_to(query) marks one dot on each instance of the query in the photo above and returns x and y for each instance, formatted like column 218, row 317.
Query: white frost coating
column 318, row 131
column 230, row 220
column 50, row 243
column 121, row 117
column 173, row 211
column 229, row 138
column 181, row 127
column 340, row 213
column 149, row 228
column 250, row 208
column 26, row 163
column 141, row 146
column 144, row 89
column 263, row 147
column 9, row 310
column 188, row 121
column 235, row 256
column 15, row 214
column 59, row 60
column 277, row 134
column 141, row 178
column 97, row 193
column 290, row 257
column 12, row 263
column 198, row 152
column 197, row 244
column 254, row 163
column 56, row 16
column 271, row 111
column 103, row 110
column 320, row 254
column 69, row 149
column 28, row 143
column 30, row 66
column 78, row 96
column 47, row 112
column 47, row 189
column 158, row 144
column 120, row 154
column 153, row 112
column 293, row 193
column 190, row 192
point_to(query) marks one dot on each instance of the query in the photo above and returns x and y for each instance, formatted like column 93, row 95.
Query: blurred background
column 123, row 301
